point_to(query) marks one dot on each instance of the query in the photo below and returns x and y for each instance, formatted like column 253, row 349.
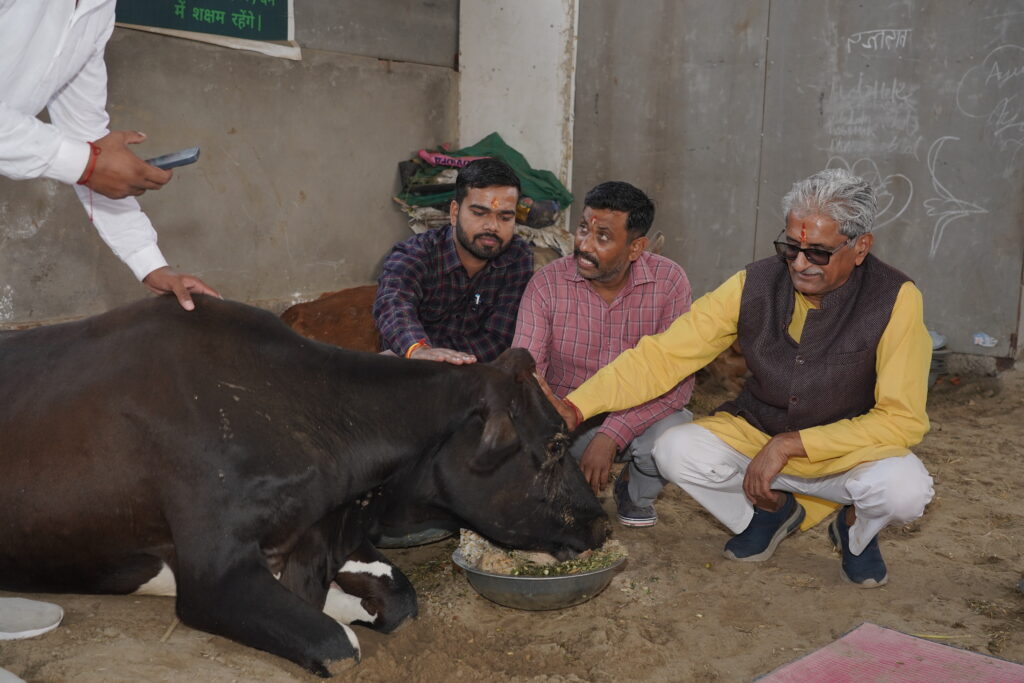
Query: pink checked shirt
column 572, row 332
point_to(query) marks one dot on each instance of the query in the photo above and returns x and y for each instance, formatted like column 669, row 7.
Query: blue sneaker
column 766, row 530
column 866, row 570
column 631, row 514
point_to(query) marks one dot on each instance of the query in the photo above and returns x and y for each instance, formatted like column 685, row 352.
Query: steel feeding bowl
column 538, row 592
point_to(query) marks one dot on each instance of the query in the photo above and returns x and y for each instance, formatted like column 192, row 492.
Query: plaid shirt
column 572, row 332
column 424, row 292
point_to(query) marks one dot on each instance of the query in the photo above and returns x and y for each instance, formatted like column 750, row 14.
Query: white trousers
column 888, row 491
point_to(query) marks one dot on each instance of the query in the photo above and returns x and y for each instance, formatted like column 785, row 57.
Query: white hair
column 835, row 192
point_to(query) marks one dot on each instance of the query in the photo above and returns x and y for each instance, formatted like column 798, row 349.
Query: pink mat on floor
column 873, row 653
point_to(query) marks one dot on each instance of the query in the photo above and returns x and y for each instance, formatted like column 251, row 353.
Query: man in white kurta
column 52, row 58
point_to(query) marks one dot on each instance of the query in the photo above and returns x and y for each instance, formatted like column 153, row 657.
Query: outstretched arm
column 659, row 362
column 110, row 170
column 399, row 292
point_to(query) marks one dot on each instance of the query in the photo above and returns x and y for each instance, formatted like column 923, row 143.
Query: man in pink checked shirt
column 581, row 311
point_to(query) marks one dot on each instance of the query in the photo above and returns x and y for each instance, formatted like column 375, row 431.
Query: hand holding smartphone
column 175, row 159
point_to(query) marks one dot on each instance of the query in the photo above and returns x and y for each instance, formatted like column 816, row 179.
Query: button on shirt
column 424, row 292
column 572, row 331
column 52, row 58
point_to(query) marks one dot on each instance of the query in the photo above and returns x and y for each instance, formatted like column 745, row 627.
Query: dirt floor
column 676, row 611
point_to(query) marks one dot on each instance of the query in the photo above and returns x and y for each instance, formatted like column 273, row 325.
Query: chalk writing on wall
column 945, row 207
column 893, row 192
column 879, row 39
column 994, row 90
column 872, row 116
column 868, row 115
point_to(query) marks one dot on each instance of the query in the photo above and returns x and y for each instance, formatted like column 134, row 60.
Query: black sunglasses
column 818, row 257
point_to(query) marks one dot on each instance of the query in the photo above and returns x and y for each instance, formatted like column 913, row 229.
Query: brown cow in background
column 343, row 318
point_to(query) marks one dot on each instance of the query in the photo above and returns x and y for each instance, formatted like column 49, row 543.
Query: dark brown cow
column 225, row 447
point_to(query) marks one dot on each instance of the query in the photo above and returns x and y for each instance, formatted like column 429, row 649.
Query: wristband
column 94, row 152
column 422, row 343
column 575, row 408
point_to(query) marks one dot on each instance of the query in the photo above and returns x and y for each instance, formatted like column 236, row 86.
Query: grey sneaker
column 631, row 514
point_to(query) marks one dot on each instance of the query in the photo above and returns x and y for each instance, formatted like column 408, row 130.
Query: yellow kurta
column 896, row 422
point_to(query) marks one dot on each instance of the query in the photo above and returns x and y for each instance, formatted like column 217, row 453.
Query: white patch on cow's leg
column 353, row 640
column 371, row 568
column 161, row 584
column 345, row 608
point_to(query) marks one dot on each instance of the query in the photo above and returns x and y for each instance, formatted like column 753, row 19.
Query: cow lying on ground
column 222, row 446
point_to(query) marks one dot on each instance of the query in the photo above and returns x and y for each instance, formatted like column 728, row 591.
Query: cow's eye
column 557, row 446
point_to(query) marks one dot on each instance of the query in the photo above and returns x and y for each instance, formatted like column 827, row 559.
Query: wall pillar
column 517, row 64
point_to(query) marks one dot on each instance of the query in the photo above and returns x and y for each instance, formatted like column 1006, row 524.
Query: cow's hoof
column 338, row 666
column 327, row 667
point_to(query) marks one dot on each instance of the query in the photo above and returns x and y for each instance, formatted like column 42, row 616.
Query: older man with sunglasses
column 839, row 355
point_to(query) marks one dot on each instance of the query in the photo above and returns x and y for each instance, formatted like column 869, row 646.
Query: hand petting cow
column 222, row 448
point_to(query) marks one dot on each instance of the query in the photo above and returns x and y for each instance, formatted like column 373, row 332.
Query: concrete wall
column 668, row 98
column 927, row 102
column 418, row 31
column 717, row 108
column 290, row 198
column 517, row 70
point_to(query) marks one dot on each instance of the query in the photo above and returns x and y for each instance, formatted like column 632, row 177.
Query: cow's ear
column 498, row 441
column 519, row 362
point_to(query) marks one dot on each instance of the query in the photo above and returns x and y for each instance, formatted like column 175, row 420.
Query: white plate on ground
column 21, row 618
column 7, row 677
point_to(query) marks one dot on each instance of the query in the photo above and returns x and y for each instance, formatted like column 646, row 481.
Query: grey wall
column 675, row 96
column 931, row 111
column 290, row 198
column 668, row 97
column 420, row 31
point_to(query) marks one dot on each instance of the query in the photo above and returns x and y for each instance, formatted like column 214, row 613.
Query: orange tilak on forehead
column 494, row 204
column 803, row 233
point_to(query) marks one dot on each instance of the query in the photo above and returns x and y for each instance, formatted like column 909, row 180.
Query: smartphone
column 175, row 159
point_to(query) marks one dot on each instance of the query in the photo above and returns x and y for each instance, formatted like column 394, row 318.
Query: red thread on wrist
column 94, row 152
column 575, row 408
column 421, row 344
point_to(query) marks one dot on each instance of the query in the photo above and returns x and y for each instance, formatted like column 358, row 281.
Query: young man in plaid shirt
column 452, row 294
column 581, row 311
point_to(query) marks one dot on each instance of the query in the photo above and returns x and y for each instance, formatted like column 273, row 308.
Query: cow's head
column 504, row 471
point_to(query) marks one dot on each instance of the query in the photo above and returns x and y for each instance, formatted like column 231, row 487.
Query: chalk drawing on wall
column 6, row 302
column 893, row 192
column 945, row 206
column 16, row 223
column 994, row 91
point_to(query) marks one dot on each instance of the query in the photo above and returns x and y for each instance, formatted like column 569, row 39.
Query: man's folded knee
column 684, row 453
column 898, row 488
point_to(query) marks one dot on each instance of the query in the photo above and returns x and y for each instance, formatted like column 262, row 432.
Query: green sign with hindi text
column 251, row 19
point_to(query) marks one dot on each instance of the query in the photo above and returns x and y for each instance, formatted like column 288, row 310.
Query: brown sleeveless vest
column 830, row 374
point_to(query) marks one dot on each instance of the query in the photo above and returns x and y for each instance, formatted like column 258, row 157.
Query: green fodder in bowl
column 480, row 553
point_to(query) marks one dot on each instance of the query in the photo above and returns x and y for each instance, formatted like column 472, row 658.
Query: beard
column 485, row 252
